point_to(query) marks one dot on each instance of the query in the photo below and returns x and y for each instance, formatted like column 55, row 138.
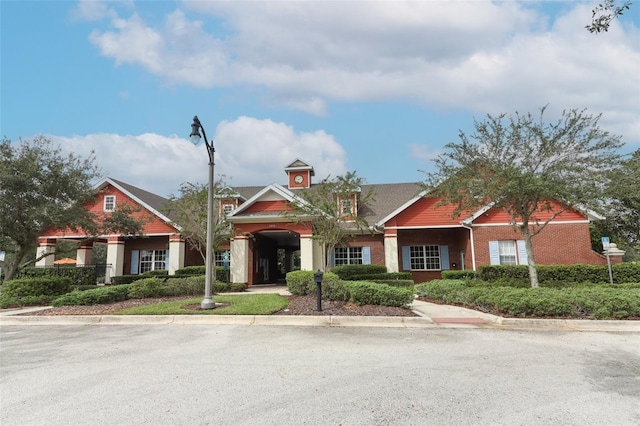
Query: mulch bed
column 298, row 305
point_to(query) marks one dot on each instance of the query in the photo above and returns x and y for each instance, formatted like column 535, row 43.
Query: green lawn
column 249, row 304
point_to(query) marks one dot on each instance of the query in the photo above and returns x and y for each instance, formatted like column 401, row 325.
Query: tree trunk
column 531, row 263
column 13, row 266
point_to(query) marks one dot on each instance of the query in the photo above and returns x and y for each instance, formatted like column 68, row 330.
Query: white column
column 239, row 264
column 176, row 254
column 391, row 253
column 115, row 258
column 306, row 253
column 83, row 255
column 317, row 256
column 46, row 248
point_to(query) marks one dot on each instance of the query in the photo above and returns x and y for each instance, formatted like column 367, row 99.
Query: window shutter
column 406, row 258
column 494, row 253
column 444, row 258
column 135, row 260
column 333, row 257
column 166, row 260
column 522, row 253
column 366, row 255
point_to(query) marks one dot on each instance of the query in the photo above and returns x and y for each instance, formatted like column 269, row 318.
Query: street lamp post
column 207, row 302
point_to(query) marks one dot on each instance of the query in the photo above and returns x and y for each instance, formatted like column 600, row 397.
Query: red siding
column 151, row 223
column 499, row 216
column 424, row 212
column 268, row 206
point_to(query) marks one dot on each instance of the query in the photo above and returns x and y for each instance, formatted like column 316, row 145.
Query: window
column 347, row 256
column 227, row 209
column 221, row 256
column 152, row 260
column 109, row 203
column 425, row 258
column 346, row 207
column 507, row 251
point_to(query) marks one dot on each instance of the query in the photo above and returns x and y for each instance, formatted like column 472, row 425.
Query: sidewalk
column 430, row 315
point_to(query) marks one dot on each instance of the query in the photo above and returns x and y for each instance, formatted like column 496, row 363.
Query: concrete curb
column 324, row 321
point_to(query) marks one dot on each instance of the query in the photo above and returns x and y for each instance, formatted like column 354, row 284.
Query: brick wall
column 375, row 242
column 557, row 244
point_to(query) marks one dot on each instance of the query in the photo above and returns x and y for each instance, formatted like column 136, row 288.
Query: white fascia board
column 468, row 221
column 274, row 187
column 400, row 209
column 142, row 203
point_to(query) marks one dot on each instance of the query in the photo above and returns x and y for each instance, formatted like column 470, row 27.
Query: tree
column 42, row 189
column 605, row 13
column 521, row 165
column 189, row 213
column 622, row 209
column 334, row 208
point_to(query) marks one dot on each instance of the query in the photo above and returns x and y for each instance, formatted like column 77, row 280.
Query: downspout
column 473, row 250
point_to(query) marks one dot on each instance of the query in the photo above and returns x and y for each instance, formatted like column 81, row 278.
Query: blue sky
column 375, row 87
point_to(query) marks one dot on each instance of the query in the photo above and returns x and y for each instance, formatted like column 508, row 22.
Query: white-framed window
column 346, row 207
column 222, row 256
column 507, row 250
column 227, row 208
column 347, row 256
column 109, row 203
column 425, row 258
column 152, row 260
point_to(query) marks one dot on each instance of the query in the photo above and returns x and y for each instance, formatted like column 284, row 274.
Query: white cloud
column 477, row 56
column 248, row 152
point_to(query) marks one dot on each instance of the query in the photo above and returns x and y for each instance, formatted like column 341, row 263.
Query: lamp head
column 195, row 131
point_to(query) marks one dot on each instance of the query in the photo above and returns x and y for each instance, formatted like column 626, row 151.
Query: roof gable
column 270, row 199
column 147, row 200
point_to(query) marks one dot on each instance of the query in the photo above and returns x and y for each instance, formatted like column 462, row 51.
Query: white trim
column 554, row 222
column 104, row 203
column 69, row 236
column 425, row 227
column 400, row 209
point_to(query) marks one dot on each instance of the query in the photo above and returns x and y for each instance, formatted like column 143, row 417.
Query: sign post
column 605, row 246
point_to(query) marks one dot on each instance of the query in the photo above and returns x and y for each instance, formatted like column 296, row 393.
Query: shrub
column 79, row 275
column 41, row 286
column 191, row 270
column 148, row 287
column 186, row 285
column 394, row 283
column 300, row 283
column 624, row 272
column 583, row 301
column 96, row 296
column 459, row 275
column 368, row 293
column 384, row 276
column 124, row 279
column 354, row 272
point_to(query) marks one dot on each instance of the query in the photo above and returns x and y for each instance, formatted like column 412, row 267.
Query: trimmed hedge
column 459, row 275
column 395, row 283
column 80, row 275
column 110, row 294
column 355, row 272
column 144, row 288
column 584, row 301
column 40, row 286
column 368, row 293
column 623, row 272
column 221, row 273
column 300, row 283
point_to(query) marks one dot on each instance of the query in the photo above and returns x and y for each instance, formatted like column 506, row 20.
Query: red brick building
column 408, row 232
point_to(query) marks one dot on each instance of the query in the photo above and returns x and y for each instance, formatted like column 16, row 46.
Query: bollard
column 318, row 279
